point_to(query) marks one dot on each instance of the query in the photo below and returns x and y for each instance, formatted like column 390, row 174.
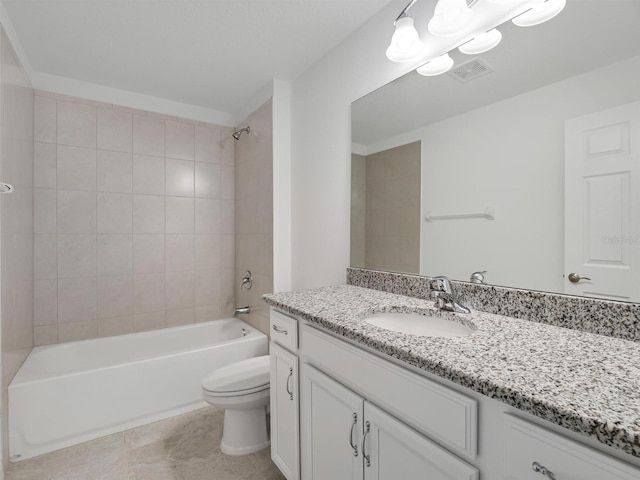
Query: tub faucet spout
column 242, row 311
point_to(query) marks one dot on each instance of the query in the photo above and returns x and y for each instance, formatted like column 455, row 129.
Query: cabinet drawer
column 442, row 414
column 284, row 330
column 527, row 444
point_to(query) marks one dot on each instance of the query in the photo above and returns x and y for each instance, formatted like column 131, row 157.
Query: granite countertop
column 584, row 382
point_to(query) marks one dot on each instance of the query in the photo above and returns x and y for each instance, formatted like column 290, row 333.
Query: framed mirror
column 475, row 170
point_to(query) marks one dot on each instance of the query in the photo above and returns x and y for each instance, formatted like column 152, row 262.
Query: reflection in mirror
column 496, row 143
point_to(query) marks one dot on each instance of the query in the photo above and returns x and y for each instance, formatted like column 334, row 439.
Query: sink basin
column 416, row 324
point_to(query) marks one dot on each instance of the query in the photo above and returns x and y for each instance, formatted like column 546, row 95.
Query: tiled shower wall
column 16, row 213
column 134, row 220
column 254, row 214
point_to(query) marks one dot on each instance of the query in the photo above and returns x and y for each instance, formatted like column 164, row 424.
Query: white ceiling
column 588, row 34
column 210, row 53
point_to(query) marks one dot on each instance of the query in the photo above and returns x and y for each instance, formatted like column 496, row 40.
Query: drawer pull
column 353, row 426
column 289, row 391
column 541, row 469
column 277, row 329
column 364, row 439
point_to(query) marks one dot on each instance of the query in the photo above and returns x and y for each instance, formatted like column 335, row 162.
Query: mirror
column 489, row 151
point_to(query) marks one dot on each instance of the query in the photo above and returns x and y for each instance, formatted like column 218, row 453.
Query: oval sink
column 416, row 324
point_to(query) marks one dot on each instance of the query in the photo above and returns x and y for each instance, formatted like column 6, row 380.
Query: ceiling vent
column 469, row 70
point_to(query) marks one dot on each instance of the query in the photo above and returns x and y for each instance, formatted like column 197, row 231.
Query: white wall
column 321, row 147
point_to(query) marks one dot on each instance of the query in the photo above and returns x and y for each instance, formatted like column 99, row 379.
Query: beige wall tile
column 45, row 335
column 148, row 253
column 45, row 302
column 115, row 212
column 115, row 130
column 148, row 175
column 179, row 253
column 44, row 210
column 179, row 215
column 207, row 288
column 207, row 144
column 227, row 251
column 148, row 214
column 44, row 128
column 207, row 216
column 74, row 331
column 148, row 135
column 114, row 172
column 115, row 297
column 148, row 321
column 227, row 180
column 207, row 252
column 76, row 256
column 208, row 179
column 179, row 140
column 76, row 124
column 179, row 290
column 180, row 316
column 76, row 168
column 45, row 257
column 115, row 254
column 179, row 179
column 115, row 326
column 44, row 165
column 76, row 211
column 206, row 313
column 77, row 300
column 149, row 293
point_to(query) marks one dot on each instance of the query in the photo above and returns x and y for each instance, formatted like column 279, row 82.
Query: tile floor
column 186, row 447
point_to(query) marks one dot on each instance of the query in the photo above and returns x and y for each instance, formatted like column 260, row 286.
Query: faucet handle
column 443, row 284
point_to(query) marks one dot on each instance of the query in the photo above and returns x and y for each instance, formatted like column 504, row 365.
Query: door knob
column 575, row 278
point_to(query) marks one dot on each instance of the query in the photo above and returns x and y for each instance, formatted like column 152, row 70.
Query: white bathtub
column 73, row 392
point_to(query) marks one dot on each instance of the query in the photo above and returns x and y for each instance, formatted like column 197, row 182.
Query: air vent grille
column 469, row 70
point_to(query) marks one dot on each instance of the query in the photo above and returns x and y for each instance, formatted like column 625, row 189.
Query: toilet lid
column 240, row 378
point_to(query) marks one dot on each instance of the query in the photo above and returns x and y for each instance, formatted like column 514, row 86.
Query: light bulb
column 405, row 42
column 540, row 13
column 482, row 43
column 449, row 18
column 437, row 66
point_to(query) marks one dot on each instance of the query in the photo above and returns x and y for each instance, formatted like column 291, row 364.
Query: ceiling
column 588, row 34
column 211, row 53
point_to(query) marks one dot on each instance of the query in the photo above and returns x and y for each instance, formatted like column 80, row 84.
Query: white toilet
column 242, row 389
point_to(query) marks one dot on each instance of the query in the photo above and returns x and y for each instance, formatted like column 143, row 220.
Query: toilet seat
column 242, row 378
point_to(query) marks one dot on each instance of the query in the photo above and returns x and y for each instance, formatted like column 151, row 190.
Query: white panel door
column 331, row 417
column 602, row 204
column 393, row 451
column 285, row 436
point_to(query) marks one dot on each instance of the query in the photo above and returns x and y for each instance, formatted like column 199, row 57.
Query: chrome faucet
column 242, row 311
column 445, row 296
column 477, row 277
column 247, row 280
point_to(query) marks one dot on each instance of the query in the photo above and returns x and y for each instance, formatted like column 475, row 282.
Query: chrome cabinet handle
column 575, row 278
column 353, row 426
column 367, row 458
column 277, row 329
column 289, row 391
column 541, row 469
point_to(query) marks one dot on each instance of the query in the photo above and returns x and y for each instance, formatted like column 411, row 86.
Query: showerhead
column 238, row 133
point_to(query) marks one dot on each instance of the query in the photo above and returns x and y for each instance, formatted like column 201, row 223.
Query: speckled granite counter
column 581, row 381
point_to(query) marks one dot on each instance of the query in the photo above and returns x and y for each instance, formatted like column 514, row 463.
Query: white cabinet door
column 285, row 439
column 331, row 417
column 393, row 451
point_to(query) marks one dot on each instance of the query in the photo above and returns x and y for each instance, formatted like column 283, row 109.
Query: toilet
column 242, row 389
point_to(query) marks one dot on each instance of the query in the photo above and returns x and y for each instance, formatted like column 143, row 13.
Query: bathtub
column 73, row 392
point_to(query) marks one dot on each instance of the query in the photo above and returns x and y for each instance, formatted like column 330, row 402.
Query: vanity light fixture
column 449, row 18
column 541, row 11
column 436, row 66
column 452, row 18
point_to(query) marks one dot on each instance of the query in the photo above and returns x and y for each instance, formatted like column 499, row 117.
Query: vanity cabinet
column 535, row 453
column 347, row 437
column 285, row 422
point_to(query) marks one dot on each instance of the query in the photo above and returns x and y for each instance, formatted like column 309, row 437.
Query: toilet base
column 244, row 431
